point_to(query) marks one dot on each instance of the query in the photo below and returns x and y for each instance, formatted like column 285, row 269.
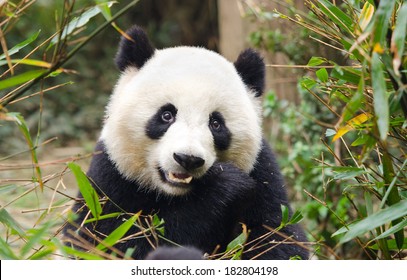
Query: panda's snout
column 189, row 162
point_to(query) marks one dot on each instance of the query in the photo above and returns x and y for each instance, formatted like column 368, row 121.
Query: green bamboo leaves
column 376, row 220
column 340, row 18
column 22, row 125
column 380, row 95
column 82, row 20
column 382, row 20
column 118, row 233
column 399, row 38
column 86, row 189
column 92, row 201
column 380, row 98
column 21, row 79
column 21, row 45
column 371, row 87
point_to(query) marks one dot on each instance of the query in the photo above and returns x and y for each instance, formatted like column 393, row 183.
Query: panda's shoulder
column 267, row 173
column 266, row 160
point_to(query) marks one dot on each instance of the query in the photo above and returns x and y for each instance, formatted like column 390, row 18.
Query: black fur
column 156, row 126
column 134, row 52
column 269, row 196
column 221, row 134
column 251, row 69
column 208, row 216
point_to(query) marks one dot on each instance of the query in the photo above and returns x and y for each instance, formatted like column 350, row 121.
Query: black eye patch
column 221, row 134
column 161, row 121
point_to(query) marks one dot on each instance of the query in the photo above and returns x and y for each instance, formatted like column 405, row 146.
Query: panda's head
column 175, row 112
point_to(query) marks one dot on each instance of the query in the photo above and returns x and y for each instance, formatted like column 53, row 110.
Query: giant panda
column 182, row 140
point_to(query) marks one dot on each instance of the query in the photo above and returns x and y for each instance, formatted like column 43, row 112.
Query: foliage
column 355, row 175
column 44, row 49
column 34, row 66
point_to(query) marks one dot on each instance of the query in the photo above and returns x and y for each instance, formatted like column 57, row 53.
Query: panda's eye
column 220, row 132
column 215, row 124
column 167, row 117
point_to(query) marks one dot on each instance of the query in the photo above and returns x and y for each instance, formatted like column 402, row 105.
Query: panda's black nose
column 189, row 162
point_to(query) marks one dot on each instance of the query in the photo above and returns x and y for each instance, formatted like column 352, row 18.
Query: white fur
column 197, row 82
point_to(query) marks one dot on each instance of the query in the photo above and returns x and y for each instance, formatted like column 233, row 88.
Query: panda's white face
column 186, row 108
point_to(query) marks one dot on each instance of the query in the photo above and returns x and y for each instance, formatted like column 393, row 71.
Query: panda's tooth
column 174, row 178
column 188, row 180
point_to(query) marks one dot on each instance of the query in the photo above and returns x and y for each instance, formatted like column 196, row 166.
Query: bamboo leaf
column 296, row 218
column 344, row 229
column 399, row 38
column 44, row 252
column 308, row 83
column 347, row 74
column 104, row 7
column 382, row 19
column 104, row 217
column 21, row 45
column 21, row 79
column 77, row 22
column 31, row 62
column 378, row 219
column 364, row 139
column 316, row 61
column 345, row 172
column 236, row 245
column 86, row 189
column 118, row 233
column 355, row 103
column 391, row 194
column 22, row 125
column 322, row 75
column 366, row 15
column 35, row 236
column 284, row 215
column 238, row 242
column 158, row 224
column 380, row 98
column 81, row 254
column 394, row 229
column 392, row 245
column 351, row 125
column 368, row 203
column 9, row 222
column 336, row 15
column 5, row 251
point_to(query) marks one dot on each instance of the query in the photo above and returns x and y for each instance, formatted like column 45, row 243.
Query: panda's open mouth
column 176, row 179
column 179, row 178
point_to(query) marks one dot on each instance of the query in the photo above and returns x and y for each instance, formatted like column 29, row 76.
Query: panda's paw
column 228, row 181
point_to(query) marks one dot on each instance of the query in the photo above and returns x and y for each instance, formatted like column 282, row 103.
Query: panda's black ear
column 251, row 68
column 134, row 49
